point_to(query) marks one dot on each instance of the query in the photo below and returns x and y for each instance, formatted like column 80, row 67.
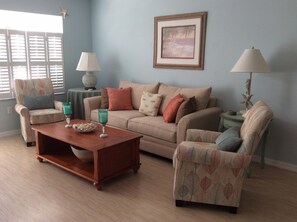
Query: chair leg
column 179, row 203
column 233, row 210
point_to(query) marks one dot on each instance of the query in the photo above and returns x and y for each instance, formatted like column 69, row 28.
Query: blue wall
column 77, row 38
column 123, row 36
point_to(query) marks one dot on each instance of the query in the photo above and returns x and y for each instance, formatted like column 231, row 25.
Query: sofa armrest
column 207, row 154
column 91, row 103
column 58, row 105
column 199, row 135
column 206, row 119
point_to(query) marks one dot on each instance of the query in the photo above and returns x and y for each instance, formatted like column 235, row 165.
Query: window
column 30, row 51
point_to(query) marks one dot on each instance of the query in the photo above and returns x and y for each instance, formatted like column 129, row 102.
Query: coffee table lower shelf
column 71, row 164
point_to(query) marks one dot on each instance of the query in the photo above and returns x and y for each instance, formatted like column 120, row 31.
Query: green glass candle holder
column 67, row 110
column 103, row 119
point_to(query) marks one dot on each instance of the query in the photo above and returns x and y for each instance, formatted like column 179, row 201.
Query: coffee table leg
column 97, row 185
column 135, row 169
column 39, row 159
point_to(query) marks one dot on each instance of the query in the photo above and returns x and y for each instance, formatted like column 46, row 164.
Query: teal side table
column 76, row 97
column 227, row 120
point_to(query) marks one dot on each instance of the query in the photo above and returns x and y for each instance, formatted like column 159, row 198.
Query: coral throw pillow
column 170, row 111
column 119, row 99
column 150, row 103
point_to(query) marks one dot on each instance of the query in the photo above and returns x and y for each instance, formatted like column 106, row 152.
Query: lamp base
column 90, row 88
column 89, row 80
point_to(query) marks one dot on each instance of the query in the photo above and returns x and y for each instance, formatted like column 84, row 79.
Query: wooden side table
column 76, row 97
column 227, row 120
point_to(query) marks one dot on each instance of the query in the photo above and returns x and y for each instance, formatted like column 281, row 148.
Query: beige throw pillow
column 150, row 103
column 138, row 89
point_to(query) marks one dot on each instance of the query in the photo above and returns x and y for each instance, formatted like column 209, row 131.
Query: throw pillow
column 119, row 99
column 150, row 103
column 104, row 98
column 170, row 111
column 138, row 89
column 187, row 107
column 229, row 140
column 39, row 102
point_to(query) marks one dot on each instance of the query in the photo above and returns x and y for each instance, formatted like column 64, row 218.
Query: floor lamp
column 250, row 61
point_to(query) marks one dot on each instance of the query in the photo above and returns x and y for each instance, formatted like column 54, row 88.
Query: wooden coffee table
column 113, row 155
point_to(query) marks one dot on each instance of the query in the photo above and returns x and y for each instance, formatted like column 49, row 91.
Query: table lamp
column 250, row 61
column 88, row 63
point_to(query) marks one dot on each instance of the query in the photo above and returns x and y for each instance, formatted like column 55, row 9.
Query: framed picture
column 179, row 41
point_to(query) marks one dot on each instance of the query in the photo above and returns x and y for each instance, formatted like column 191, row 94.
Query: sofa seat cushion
column 41, row 116
column 118, row 118
column 154, row 126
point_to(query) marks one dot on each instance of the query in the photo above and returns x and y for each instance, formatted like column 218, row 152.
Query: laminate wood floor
column 33, row 191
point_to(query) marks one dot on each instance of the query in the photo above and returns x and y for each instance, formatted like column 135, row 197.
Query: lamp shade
column 88, row 62
column 251, row 60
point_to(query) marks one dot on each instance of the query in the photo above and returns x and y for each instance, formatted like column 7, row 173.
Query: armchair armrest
column 207, row 154
column 198, row 135
column 22, row 110
column 91, row 103
column 207, row 119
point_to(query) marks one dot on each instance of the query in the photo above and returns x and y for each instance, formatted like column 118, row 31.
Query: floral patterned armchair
column 36, row 105
column 207, row 175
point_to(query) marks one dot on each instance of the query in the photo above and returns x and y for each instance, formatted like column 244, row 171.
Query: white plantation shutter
column 55, row 57
column 30, row 55
column 32, row 47
column 5, row 91
column 37, row 55
column 18, row 54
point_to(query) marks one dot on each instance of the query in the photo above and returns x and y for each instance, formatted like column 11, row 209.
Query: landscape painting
column 179, row 41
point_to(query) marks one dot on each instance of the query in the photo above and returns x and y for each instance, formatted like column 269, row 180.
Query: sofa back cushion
column 138, row 89
column 168, row 92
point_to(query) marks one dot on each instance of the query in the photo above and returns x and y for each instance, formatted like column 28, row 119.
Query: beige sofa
column 159, row 137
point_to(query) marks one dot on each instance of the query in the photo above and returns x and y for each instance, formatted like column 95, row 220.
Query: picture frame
column 179, row 41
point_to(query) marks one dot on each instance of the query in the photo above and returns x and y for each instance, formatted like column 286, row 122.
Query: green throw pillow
column 229, row 140
column 39, row 102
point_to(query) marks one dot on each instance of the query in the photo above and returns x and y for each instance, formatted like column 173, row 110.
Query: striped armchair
column 207, row 175
column 26, row 91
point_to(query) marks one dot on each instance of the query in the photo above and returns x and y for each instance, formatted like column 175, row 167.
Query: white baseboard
column 10, row 133
column 278, row 164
